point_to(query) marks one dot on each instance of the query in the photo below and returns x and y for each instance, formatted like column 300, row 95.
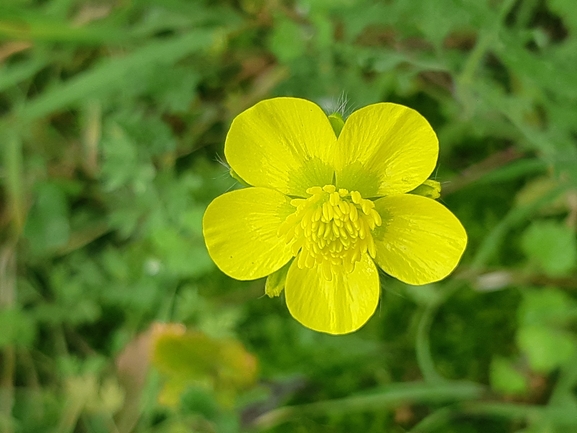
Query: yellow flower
column 321, row 210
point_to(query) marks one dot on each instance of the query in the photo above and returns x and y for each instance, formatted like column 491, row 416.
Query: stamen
column 331, row 229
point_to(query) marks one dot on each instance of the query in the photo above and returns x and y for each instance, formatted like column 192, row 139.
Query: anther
column 331, row 229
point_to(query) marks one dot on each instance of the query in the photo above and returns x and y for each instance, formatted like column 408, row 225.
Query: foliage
column 113, row 118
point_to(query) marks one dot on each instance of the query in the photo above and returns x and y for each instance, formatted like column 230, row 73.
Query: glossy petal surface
column 240, row 230
column 338, row 306
column 283, row 143
column 420, row 240
column 385, row 149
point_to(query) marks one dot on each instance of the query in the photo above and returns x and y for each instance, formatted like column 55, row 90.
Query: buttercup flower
column 327, row 202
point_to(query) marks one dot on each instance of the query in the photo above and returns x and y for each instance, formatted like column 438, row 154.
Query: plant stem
column 422, row 341
column 393, row 395
column 8, row 364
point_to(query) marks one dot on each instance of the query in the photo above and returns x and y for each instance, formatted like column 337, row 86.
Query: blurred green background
column 113, row 317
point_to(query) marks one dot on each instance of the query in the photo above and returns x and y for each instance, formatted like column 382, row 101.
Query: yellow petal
column 338, row 306
column 420, row 240
column 240, row 231
column 282, row 143
column 385, row 149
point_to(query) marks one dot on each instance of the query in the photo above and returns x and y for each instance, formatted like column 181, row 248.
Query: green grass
column 112, row 122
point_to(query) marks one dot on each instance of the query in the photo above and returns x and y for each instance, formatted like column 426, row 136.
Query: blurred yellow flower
column 326, row 201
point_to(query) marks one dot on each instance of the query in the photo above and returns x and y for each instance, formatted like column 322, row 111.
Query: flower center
column 332, row 229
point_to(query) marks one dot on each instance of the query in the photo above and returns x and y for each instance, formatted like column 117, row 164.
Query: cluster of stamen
column 331, row 229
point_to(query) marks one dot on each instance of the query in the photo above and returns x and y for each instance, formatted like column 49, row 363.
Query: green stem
column 422, row 341
column 435, row 421
column 391, row 396
column 483, row 45
column 566, row 381
column 440, row 419
column 12, row 159
column 8, row 358
column 524, row 13
column 491, row 243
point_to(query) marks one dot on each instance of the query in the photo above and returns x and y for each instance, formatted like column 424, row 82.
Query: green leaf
column 545, row 348
column 180, row 254
column 11, row 76
column 48, row 226
column 548, row 306
column 567, row 10
column 552, row 246
column 152, row 136
column 505, row 378
column 37, row 26
column 192, row 358
column 287, row 41
column 123, row 164
column 113, row 74
column 16, row 328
